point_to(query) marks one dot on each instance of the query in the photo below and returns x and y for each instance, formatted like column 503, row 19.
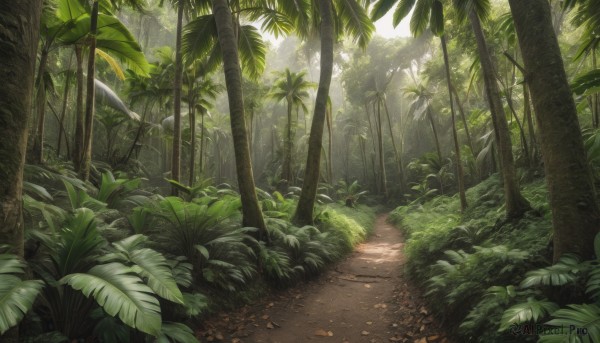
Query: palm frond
column 120, row 292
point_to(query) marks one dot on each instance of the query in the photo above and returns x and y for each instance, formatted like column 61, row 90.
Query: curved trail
column 364, row 298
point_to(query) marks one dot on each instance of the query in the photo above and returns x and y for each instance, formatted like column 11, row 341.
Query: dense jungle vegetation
column 163, row 160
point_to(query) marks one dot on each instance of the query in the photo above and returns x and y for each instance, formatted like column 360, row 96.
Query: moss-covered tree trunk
column 176, row 156
column 306, row 203
column 575, row 213
column 383, row 179
column 252, row 214
column 459, row 168
column 37, row 150
column 19, row 22
column 516, row 204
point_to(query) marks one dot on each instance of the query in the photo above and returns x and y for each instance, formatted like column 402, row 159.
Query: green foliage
column 16, row 295
column 524, row 312
column 585, row 316
column 463, row 258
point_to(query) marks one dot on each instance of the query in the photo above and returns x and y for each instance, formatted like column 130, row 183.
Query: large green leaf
column 587, row 83
column 252, row 51
column 153, row 266
column 67, row 10
column 120, row 292
column 356, row 21
column 16, row 295
column 578, row 316
column 533, row 309
column 381, row 8
column 199, row 37
column 176, row 332
column 403, row 9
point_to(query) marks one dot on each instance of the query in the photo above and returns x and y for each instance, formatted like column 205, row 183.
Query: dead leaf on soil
column 323, row 333
column 364, row 333
column 422, row 340
column 367, row 285
column 270, row 325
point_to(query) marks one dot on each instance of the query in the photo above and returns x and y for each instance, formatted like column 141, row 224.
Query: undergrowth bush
column 460, row 258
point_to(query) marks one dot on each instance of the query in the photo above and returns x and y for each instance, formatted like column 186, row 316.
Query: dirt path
column 364, row 298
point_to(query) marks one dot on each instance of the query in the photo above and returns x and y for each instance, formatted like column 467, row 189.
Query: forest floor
column 364, row 298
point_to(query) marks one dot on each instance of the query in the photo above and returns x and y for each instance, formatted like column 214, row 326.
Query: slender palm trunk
column 63, row 112
column 306, row 203
column 516, row 204
column 78, row 136
column 435, row 133
column 383, row 178
column 38, row 142
column 252, row 214
column 286, row 170
column 18, row 48
column 530, row 127
column 201, row 161
column 329, row 121
column 463, row 118
column 176, row 156
column 575, row 213
column 397, row 154
column 459, row 168
column 192, row 118
column 84, row 171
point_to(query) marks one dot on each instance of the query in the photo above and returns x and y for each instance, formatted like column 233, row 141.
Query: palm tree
column 428, row 13
column 351, row 17
column 293, row 88
column 420, row 108
column 575, row 213
column 19, row 43
column 516, row 204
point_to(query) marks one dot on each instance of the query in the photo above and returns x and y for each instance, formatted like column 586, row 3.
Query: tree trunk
column 201, row 162
column 575, row 213
column 192, row 118
column 63, row 112
column 329, row 121
column 286, row 170
column 86, row 160
column 38, row 141
column 18, row 46
column 252, row 214
column 516, row 204
column 383, row 179
column 459, row 168
column 78, row 136
column 397, row 154
column 435, row 134
column 306, row 203
column 463, row 118
column 176, row 156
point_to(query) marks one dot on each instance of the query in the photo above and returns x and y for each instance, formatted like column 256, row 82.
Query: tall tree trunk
column 530, row 127
column 459, row 168
column 375, row 176
column 286, row 170
column 575, row 213
column 18, row 46
column 435, row 134
column 86, row 160
column 63, row 112
column 252, row 214
column 383, row 179
column 176, row 156
column 397, row 154
column 192, row 118
column 201, row 162
column 329, row 121
column 463, row 118
column 78, row 136
column 38, row 141
column 516, row 204
column 306, row 203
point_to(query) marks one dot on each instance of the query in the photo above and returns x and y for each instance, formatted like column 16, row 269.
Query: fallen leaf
column 321, row 332
column 265, row 317
column 433, row 338
column 330, row 333
column 369, row 323
column 219, row 336
column 364, row 333
column 236, row 340
column 422, row 340
column 395, row 339
column 270, row 325
column 367, row 285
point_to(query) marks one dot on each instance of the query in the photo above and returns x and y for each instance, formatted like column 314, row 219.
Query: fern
column 585, row 316
column 564, row 271
column 533, row 309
